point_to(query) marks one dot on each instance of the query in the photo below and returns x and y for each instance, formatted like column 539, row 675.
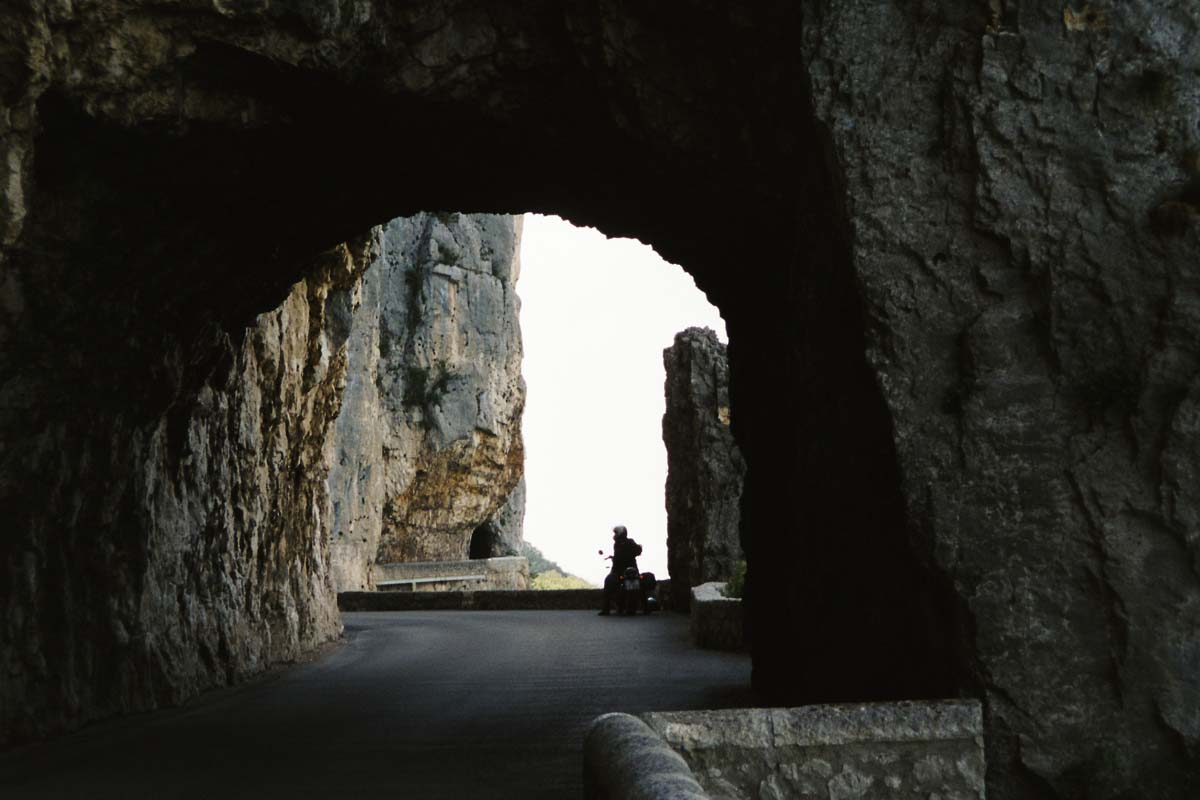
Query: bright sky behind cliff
column 596, row 314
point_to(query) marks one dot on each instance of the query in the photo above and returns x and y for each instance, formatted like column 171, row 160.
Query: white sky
column 596, row 314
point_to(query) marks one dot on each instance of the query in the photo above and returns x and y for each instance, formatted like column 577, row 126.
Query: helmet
column 619, row 532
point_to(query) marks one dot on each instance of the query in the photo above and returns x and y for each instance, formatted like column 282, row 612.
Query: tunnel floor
column 483, row 704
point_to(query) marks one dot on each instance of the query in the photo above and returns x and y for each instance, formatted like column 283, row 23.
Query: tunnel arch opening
column 483, row 543
column 149, row 245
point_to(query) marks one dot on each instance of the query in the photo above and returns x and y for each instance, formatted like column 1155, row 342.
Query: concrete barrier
column 716, row 620
column 623, row 759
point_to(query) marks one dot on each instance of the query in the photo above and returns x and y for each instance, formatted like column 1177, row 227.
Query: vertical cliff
column 1018, row 187
column 427, row 447
column 705, row 469
column 167, row 543
column 378, row 404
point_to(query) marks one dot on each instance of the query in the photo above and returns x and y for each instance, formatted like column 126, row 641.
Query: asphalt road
column 456, row 704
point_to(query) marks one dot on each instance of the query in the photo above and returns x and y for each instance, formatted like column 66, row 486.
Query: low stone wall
column 558, row 599
column 480, row 600
column 716, row 620
column 508, row 572
column 624, row 758
column 894, row 750
column 832, row 752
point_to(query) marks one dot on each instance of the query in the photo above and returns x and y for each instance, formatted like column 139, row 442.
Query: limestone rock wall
column 428, row 447
column 705, row 469
column 504, row 533
column 1020, row 199
column 151, row 553
column 954, row 243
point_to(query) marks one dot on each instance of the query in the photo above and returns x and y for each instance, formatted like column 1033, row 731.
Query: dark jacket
column 625, row 553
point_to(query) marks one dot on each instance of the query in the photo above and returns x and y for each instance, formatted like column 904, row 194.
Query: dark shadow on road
column 489, row 704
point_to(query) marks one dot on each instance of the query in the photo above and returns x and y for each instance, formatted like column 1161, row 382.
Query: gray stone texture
column 954, row 244
column 1034, row 332
column 716, row 622
column 427, row 446
column 504, row 533
column 624, row 759
column 895, row 751
column 184, row 549
column 705, row 469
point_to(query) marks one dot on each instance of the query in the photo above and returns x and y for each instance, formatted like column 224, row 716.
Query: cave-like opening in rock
column 483, row 542
column 596, row 315
column 148, row 248
column 954, row 244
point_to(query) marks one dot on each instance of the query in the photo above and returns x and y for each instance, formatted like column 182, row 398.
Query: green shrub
column 537, row 560
column 545, row 574
column 553, row 579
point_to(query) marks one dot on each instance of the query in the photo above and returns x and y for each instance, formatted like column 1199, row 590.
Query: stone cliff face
column 1021, row 211
column 705, row 469
column 954, row 243
column 286, row 447
column 504, row 533
column 158, row 554
column 427, row 447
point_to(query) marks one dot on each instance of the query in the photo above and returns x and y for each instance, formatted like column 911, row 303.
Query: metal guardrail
column 433, row 579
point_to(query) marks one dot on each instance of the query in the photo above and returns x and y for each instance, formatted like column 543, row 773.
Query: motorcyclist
column 625, row 553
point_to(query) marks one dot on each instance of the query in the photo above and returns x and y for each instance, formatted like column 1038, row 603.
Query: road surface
column 455, row 704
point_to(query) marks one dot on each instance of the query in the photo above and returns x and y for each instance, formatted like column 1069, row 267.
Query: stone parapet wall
column 827, row 752
column 716, row 620
column 624, row 758
column 505, row 600
column 893, row 750
column 560, row 599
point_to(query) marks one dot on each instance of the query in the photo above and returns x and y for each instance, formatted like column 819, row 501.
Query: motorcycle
column 635, row 589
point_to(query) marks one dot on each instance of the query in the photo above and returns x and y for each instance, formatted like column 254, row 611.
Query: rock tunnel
column 963, row 353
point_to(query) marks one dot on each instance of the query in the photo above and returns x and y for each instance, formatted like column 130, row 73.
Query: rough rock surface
column 705, row 469
column 899, row 751
column 503, row 534
column 1021, row 201
column 714, row 620
column 624, row 758
column 428, row 446
column 954, row 243
column 180, row 549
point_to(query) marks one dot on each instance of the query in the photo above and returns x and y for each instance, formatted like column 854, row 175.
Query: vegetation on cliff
column 545, row 574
